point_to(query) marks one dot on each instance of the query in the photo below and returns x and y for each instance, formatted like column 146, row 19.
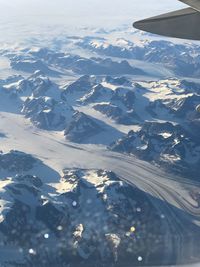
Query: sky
column 20, row 17
column 84, row 8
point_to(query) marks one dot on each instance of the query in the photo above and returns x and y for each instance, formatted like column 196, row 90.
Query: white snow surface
column 58, row 154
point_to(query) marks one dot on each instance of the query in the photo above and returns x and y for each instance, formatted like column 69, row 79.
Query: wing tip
column 138, row 25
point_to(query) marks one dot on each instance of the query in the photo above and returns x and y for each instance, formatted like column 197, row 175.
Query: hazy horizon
column 128, row 9
column 25, row 18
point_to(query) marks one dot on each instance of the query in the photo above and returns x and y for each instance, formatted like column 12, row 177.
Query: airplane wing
column 180, row 24
column 192, row 3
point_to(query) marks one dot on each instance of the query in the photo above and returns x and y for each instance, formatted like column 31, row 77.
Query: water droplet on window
column 138, row 209
column 74, row 203
column 162, row 216
column 46, row 236
column 59, row 228
column 32, row 251
column 132, row 229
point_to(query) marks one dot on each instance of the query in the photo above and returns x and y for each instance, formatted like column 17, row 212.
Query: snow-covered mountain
column 81, row 128
column 47, row 113
column 181, row 58
column 37, row 84
column 168, row 145
column 91, row 106
column 85, row 215
column 100, row 152
column 52, row 63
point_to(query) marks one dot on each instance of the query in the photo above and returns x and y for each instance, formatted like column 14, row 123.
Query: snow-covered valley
column 100, row 153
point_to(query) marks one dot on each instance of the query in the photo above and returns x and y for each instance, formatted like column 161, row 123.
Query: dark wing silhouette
column 180, row 24
column 192, row 3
